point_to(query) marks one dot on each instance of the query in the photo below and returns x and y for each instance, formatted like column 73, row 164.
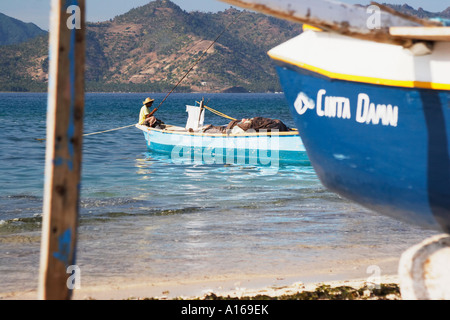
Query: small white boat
column 262, row 147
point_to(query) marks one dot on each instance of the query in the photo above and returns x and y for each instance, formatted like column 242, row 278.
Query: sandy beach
column 234, row 289
column 234, row 286
column 192, row 290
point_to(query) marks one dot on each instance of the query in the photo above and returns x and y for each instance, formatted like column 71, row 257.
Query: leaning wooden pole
column 65, row 113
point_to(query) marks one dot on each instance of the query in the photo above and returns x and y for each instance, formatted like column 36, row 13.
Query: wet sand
column 234, row 286
column 234, row 289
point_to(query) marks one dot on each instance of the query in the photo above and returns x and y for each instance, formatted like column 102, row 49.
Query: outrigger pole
column 168, row 94
column 65, row 113
column 195, row 63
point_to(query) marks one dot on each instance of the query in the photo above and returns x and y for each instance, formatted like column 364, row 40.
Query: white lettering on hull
column 367, row 112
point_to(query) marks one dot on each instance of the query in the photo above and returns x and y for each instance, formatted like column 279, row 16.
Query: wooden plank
column 422, row 33
column 335, row 16
column 64, row 147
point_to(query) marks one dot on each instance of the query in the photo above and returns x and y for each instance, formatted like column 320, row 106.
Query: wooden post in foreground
column 65, row 113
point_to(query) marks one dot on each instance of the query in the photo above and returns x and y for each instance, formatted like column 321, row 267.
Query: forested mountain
column 151, row 47
column 14, row 31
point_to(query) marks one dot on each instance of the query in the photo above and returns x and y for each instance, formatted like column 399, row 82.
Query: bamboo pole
column 64, row 147
column 201, row 110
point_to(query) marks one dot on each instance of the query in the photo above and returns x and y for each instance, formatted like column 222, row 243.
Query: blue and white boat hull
column 372, row 136
column 258, row 148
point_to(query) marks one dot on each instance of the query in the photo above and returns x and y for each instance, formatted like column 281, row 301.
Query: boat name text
column 339, row 107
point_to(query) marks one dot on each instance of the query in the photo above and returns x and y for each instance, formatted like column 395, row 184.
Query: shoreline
column 236, row 285
column 220, row 288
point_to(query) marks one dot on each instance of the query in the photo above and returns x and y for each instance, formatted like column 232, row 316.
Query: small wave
column 167, row 212
column 22, row 196
column 21, row 224
column 106, row 202
column 104, row 217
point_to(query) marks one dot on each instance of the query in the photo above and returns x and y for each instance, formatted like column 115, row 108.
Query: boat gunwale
column 293, row 132
column 411, row 84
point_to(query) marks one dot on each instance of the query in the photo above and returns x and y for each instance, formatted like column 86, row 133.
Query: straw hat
column 148, row 100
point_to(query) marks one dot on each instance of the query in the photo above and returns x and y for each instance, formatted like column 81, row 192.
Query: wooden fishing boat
column 262, row 147
column 371, row 103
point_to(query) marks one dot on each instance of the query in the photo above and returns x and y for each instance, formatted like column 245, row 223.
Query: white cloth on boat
column 237, row 130
column 194, row 117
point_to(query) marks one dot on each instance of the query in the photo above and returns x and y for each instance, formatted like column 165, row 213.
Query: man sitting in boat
column 146, row 119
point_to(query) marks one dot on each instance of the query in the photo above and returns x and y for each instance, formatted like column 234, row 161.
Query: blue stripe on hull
column 400, row 168
column 230, row 156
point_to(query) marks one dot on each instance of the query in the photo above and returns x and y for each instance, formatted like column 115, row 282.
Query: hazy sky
column 37, row 11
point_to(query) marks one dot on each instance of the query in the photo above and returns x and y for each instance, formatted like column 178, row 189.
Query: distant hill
column 149, row 48
column 13, row 31
column 420, row 13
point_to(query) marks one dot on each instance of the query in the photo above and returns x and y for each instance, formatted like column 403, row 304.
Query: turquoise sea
column 142, row 215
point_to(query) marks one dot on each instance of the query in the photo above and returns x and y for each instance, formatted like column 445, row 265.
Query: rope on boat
column 132, row 125
column 219, row 113
column 185, row 75
column 91, row 134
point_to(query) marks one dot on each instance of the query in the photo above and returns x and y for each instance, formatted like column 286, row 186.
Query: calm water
column 143, row 215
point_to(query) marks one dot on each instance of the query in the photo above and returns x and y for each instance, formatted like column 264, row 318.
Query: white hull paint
column 258, row 147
